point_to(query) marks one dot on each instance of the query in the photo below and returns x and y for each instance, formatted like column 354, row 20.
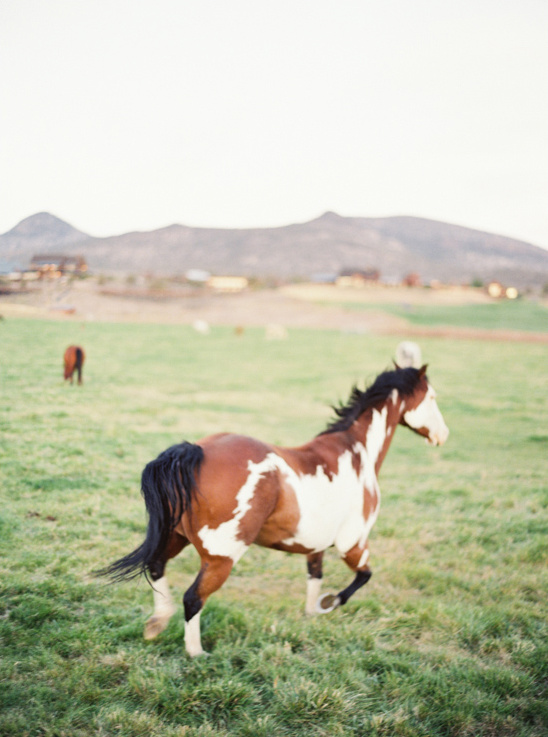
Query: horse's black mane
column 404, row 380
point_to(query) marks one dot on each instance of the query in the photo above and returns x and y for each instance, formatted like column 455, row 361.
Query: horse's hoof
column 327, row 603
column 154, row 626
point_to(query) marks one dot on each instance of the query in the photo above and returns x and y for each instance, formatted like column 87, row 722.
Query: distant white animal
column 201, row 326
column 408, row 354
column 275, row 332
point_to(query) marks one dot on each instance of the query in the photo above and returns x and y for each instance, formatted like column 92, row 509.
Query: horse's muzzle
column 439, row 437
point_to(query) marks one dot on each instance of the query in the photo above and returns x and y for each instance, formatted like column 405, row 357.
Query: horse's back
column 74, row 356
column 237, row 489
column 228, row 458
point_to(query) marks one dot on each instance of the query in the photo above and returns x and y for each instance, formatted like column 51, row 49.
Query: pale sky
column 135, row 114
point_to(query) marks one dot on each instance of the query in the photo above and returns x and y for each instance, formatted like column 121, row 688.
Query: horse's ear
column 396, row 365
column 422, row 370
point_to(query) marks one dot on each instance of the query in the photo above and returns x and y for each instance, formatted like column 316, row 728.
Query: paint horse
column 228, row 491
column 74, row 361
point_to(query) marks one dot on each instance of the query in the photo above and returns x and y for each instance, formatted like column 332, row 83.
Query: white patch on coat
column 427, row 415
column 364, row 558
column 223, row 540
column 376, row 436
column 330, row 509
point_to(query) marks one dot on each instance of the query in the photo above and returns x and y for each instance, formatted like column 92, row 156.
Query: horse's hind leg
column 212, row 575
column 164, row 608
column 314, row 582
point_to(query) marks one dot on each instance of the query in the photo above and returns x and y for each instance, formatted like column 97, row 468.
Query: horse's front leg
column 356, row 559
column 314, row 582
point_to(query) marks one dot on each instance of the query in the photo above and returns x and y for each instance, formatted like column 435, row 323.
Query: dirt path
column 306, row 306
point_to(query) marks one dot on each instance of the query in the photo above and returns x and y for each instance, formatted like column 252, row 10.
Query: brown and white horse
column 228, row 491
column 74, row 361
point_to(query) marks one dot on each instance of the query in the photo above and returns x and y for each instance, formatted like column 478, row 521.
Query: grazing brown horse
column 228, row 491
column 74, row 361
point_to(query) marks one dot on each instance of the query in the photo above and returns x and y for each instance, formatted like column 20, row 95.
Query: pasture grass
column 520, row 314
column 450, row 637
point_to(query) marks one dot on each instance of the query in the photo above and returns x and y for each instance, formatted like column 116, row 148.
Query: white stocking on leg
column 313, row 586
column 193, row 641
column 164, row 609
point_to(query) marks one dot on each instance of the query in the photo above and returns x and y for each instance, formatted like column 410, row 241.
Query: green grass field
column 450, row 637
column 522, row 314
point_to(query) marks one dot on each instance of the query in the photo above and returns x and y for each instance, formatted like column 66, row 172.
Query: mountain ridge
column 327, row 244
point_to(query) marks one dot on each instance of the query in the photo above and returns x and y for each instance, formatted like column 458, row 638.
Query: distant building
column 54, row 265
column 412, row 280
column 228, row 284
column 323, row 278
column 198, row 276
column 357, row 277
column 7, row 268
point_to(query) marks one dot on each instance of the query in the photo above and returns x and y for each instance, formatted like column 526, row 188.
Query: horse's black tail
column 168, row 485
column 79, row 358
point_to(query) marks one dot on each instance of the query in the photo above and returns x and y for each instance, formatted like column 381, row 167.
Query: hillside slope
column 395, row 246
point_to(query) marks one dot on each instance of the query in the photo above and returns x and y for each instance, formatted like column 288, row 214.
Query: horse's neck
column 375, row 429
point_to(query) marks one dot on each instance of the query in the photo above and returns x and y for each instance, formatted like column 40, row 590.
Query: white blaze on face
column 427, row 415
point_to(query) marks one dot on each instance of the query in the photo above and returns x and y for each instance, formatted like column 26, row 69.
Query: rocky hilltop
column 395, row 246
